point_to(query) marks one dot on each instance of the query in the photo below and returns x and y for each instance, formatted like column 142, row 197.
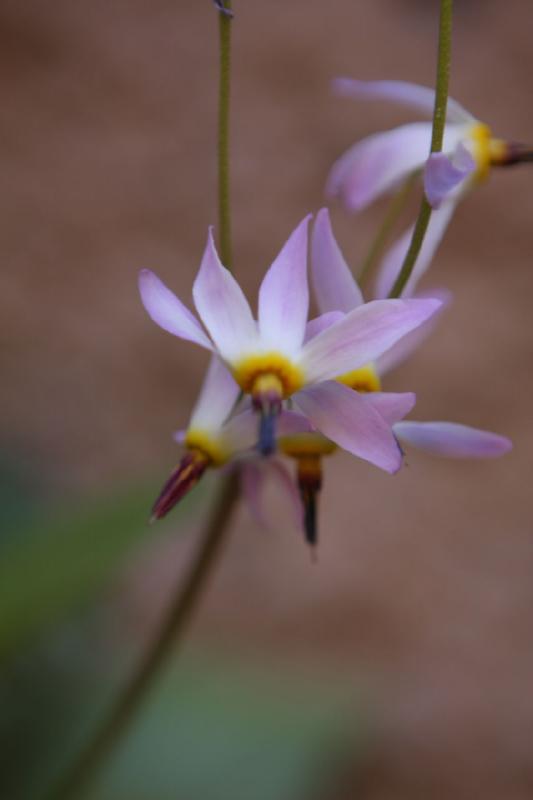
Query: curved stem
column 224, row 210
column 171, row 633
column 188, row 593
column 437, row 135
column 392, row 215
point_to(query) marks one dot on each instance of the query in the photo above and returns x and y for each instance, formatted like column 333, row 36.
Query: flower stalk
column 171, row 633
column 225, row 18
column 188, row 593
column 437, row 135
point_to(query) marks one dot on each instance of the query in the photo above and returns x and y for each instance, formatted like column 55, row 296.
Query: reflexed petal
column 290, row 422
column 252, row 483
column 393, row 260
column 408, row 345
column 392, row 407
column 179, row 436
column 240, row 433
column 218, row 396
column 223, row 307
column 378, row 163
column 452, row 440
column 362, row 336
column 254, row 474
column 418, row 97
column 348, row 420
column 335, row 287
column 443, row 174
column 319, row 324
column 168, row 311
column 284, row 295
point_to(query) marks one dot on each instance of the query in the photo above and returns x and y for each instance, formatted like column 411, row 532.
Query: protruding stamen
column 267, row 432
column 267, row 398
column 309, row 483
column 507, row 154
column 186, row 475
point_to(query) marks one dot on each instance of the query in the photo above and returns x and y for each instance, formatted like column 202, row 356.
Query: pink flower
column 381, row 162
column 280, row 355
column 336, row 289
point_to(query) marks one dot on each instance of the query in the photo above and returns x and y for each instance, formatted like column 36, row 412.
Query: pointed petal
column 393, row 260
column 418, row 97
column 319, row 324
column 252, row 484
column 223, row 307
column 168, row 311
column 284, row 295
column 288, row 487
column 334, row 285
column 254, row 475
column 344, row 417
column 363, row 335
column 409, row 344
column 392, row 407
column 452, row 440
column 290, row 422
column 217, row 398
column 241, row 432
column 443, row 174
column 377, row 164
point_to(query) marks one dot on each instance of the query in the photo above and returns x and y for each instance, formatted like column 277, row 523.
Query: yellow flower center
column 268, row 372
column 208, row 445
column 364, row 379
column 306, row 445
column 482, row 141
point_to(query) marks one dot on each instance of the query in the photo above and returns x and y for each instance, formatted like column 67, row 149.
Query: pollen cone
column 309, row 474
column 186, row 475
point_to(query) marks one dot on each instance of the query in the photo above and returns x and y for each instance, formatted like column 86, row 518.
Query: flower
column 335, row 286
column 381, row 162
column 280, row 355
column 221, row 434
column 336, row 290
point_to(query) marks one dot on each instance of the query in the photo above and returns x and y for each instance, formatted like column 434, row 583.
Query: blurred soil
column 423, row 594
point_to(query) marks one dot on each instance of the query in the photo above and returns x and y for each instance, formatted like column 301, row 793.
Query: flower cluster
column 285, row 386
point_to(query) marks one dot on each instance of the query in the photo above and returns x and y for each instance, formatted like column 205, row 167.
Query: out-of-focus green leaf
column 57, row 562
column 216, row 730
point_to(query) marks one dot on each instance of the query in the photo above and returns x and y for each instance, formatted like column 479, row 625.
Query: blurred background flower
column 401, row 665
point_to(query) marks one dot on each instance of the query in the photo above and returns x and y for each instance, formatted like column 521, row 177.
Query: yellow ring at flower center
column 289, row 377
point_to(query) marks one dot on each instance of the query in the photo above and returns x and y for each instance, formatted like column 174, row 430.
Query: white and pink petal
column 362, row 336
column 378, row 164
column 223, row 308
column 334, row 285
column 168, row 311
column 452, row 440
column 420, row 98
column 344, row 416
column 284, row 295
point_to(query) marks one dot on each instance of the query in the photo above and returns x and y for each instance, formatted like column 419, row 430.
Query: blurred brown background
column 423, row 594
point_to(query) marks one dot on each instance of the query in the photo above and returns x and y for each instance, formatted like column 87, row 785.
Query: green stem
column 437, row 135
column 171, row 633
column 189, row 591
column 224, row 211
column 394, row 211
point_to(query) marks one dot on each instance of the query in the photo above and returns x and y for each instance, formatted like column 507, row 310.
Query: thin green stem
column 188, row 593
column 394, row 211
column 437, row 135
column 224, row 210
column 171, row 633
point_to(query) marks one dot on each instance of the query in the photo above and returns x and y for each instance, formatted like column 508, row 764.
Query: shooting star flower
column 383, row 161
column 272, row 359
column 336, row 290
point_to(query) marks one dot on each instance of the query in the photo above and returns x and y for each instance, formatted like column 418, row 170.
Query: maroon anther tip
column 182, row 480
